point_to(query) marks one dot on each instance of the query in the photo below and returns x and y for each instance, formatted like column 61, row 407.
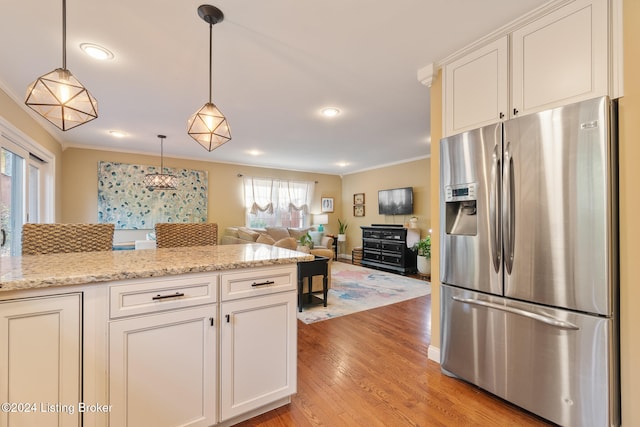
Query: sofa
column 288, row 238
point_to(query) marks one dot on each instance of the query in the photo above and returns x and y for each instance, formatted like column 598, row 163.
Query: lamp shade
column 60, row 98
column 209, row 127
column 320, row 219
column 160, row 180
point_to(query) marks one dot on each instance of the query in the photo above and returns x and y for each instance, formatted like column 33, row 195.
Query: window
column 26, row 186
column 272, row 202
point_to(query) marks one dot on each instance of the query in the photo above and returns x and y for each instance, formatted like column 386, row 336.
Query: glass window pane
column 34, row 194
column 11, row 201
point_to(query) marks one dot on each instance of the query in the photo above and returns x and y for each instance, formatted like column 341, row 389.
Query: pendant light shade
column 208, row 126
column 58, row 96
column 160, row 181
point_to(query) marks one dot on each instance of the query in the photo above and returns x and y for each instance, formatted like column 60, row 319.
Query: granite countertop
column 41, row 271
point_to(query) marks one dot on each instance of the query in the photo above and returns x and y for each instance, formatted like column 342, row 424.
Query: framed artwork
column 124, row 201
column 358, row 210
column 327, row 204
column 358, row 199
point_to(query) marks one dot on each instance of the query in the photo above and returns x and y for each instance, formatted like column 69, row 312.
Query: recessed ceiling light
column 330, row 112
column 117, row 133
column 342, row 164
column 254, row 152
column 97, row 52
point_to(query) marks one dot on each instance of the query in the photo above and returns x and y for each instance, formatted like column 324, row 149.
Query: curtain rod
column 241, row 175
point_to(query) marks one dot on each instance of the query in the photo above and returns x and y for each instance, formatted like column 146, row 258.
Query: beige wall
column 436, row 134
column 629, row 225
column 411, row 174
column 80, row 185
column 21, row 120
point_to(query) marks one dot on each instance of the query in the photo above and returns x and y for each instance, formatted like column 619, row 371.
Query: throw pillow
column 297, row 233
column 316, row 236
column 248, row 234
column 266, row 239
column 287, row 243
column 231, row 232
column 277, row 233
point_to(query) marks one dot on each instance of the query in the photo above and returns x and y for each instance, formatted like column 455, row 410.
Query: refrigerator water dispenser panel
column 461, row 208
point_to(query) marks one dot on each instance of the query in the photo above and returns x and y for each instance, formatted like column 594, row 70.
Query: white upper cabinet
column 558, row 57
column 477, row 87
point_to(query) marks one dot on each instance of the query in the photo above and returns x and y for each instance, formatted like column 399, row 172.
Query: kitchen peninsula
column 196, row 336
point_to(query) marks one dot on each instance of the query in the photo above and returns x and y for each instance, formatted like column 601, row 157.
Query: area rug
column 355, row 288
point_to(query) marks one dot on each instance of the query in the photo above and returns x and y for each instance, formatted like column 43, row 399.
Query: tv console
column 388, row 247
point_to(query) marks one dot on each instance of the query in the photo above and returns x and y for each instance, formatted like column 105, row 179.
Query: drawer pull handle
column 268, row 282
column 161, row 297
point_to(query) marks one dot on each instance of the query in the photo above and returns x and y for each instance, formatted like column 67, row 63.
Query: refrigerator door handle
column 494, row 205
column 508, row 208
column 535, row 316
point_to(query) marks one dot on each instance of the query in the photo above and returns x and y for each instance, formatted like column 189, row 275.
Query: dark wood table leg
column 300, row 281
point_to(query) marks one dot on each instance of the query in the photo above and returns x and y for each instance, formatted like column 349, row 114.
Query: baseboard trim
column 433, row 353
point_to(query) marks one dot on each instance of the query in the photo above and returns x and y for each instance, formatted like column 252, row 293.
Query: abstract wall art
column 124, row 201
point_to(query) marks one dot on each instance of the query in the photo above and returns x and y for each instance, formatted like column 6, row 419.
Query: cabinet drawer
column 371, row 234
column 393, row 234
column 371, row 255
column 392, row 246
column 390, row 258
column 370, row 244
column 259, row 281
column 155, row 295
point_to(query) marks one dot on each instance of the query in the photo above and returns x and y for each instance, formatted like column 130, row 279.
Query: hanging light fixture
column 209, row 126
column 160, row 181
column 58, row 96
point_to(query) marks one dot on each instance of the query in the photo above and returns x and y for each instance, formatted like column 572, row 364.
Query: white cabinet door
column 476, row 88
column 258, row 346
column 40, row 361
column 561, row 58
column 162, row 369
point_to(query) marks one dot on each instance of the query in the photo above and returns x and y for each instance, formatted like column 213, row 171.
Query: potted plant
column 306, row 240
column 342, row 230
column 423, row 249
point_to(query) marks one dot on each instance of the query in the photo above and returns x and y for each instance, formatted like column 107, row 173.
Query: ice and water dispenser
column 461, row 209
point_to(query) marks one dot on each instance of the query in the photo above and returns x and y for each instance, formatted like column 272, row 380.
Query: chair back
column 170, row 235
column 63, row 238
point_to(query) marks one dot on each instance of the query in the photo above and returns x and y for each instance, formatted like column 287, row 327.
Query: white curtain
column 273, row 202
column 260, row 195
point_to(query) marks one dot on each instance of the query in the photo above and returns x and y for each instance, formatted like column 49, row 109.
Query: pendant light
column 160, row 181
column 58, row 96
column 209, row 126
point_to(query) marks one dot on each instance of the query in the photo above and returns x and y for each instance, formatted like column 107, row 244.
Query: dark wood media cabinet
column 389, row 248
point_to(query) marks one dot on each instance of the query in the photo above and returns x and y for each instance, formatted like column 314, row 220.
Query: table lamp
column 320, row 220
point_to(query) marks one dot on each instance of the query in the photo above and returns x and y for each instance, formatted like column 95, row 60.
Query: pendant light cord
column 210, row 61
column 64, row 34
column 162, row 137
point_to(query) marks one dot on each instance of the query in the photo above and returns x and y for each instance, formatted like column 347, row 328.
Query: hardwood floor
column 371, row 369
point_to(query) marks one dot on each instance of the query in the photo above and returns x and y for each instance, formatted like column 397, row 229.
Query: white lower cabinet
column 180, row 357
column 258, row 350
column 162, row 369
column 40, row 367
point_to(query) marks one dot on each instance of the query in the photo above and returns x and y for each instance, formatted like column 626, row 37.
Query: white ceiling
column 277, row 63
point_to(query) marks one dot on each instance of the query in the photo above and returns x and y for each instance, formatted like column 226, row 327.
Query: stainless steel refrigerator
column 529, row 265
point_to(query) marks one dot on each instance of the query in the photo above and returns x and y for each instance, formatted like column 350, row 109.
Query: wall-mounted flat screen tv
column 396, row 201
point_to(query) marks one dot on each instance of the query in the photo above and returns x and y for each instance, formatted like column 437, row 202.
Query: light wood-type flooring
column 371, row 369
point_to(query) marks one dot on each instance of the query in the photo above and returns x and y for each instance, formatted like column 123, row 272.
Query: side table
column 307, row 269
column 335, row 245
